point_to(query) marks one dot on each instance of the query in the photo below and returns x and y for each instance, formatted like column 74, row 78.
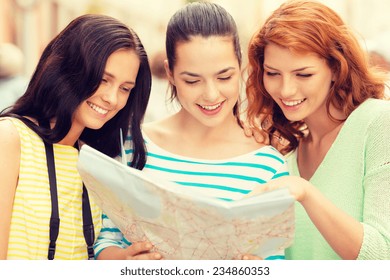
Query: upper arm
column 283, row 168
column 109, row 236
column 376, row 215
column 9, row 170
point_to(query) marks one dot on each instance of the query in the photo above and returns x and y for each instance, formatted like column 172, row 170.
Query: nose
column 287, row 87
column 211, row 92
column 110, row 96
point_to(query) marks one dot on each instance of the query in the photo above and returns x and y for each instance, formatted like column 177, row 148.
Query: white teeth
column 293, row 102
column 97, row 109
column 210, row 108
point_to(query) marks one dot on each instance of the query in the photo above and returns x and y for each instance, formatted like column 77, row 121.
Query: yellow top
column 29, row 233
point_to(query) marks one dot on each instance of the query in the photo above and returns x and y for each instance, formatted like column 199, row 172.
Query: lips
column 292, row 103
column 211, row 110
column 98, row 109
column 210, row 107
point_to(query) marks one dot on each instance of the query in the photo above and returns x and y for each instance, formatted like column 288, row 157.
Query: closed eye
column 125, row 89
column 225, row 78
column 304, row 75
column 268, row 73
column 191, row 82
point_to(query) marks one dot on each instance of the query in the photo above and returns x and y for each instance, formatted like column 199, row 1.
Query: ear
column 169, row 73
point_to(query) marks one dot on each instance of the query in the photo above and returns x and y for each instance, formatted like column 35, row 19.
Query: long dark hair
column 200, row 19
column 70, row 71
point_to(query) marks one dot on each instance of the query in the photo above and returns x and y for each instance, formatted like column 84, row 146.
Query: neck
column 321, row 125
column 71, row 138
column 328, row 135
column 201, row 133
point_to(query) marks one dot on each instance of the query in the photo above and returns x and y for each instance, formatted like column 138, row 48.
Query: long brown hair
column 309, row 27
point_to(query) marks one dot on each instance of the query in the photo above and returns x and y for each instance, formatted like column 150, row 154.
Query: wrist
column 306, row 192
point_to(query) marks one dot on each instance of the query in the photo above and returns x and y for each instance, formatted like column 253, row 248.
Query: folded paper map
column 185, row 226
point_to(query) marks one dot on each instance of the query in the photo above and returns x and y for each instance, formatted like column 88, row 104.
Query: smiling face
column 299, row 83
column 113, row 92
column 206, row 76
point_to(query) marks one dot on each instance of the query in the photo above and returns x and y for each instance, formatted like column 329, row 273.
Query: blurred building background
column 31, row 24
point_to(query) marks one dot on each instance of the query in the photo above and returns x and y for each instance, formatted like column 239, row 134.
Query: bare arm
column 9, row 171
column 136, row 251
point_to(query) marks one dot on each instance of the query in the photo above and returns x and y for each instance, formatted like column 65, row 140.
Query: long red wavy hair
column 309, row 27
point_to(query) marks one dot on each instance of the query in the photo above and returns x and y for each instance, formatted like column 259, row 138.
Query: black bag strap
column 88, row 228
column 55, row 218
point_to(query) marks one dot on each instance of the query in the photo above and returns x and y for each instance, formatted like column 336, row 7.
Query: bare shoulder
column 152, row 128
column 9, row 172
column 9, row 137
column 250, row 142
column 9, row 153
column 157, row 129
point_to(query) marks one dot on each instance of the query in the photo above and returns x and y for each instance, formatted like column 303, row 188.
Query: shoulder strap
column 88, row 228
column 54, row 219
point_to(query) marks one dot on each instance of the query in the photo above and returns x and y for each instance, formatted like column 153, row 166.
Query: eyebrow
column 112, row 76
column 197, row 75
column 295, row 70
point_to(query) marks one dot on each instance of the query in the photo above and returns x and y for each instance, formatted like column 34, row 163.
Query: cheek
column 181, row 87
column 230, row 90
column 319, row 89
column 189, row 93
column 186, row 96
column 122, row 101
column 81, row 112
column 269, row 86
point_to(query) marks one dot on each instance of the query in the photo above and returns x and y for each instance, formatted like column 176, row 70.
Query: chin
column 293, row 118
column 95, row 126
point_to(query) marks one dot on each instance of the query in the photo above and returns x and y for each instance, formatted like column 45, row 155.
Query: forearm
column 343, row 233
column 112, row 253
column 136, row 251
